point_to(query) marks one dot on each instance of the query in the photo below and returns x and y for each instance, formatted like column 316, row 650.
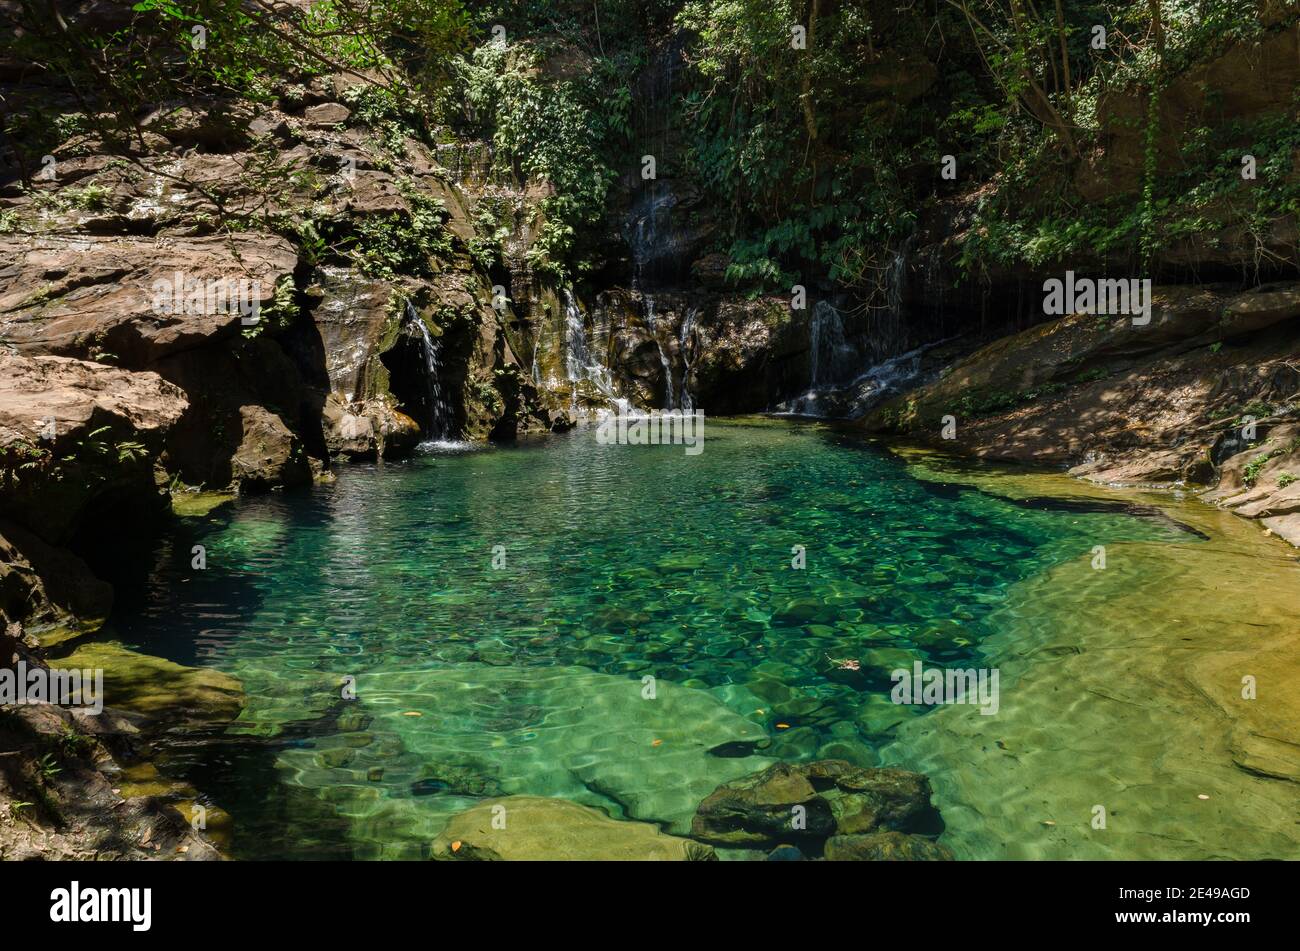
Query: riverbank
column 1162, row 689
column 1204, row 398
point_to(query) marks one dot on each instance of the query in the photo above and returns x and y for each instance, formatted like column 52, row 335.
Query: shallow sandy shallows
column 1132, row 701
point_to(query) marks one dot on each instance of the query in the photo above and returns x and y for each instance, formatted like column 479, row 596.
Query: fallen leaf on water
column 783, row 726
column 656, row 742
column 455, row 846
column 1048, row 822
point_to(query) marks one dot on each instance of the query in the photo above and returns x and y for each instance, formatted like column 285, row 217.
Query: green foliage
column 280, row 313
column 173, row 51
column 1250, row 473
column 561, row 131
column 401, row 242
column 809, row 162
column 48, row 767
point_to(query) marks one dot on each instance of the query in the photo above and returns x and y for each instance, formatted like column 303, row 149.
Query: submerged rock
column 556, row 732
column 885, row 847
column 166, row 693
column 811, row 802
column 785, row 853
column 532, row 828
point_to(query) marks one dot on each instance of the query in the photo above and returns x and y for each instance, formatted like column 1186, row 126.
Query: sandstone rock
column 189, row 504
column 53, row 400
column 836, row 798
column 269, row 453
column 539, row 829
column 249, row 400
column 567, row 733
column 74, row 813
column 885, row 847
column 1260, row 308
column 72, row 432
column 355, row 318
column 1247, row 80
column 1265, row 739
column 49, row 590
column 168, row 695
column 220, row 126
column 90, row 296
column 326, row 115
column 711, row 269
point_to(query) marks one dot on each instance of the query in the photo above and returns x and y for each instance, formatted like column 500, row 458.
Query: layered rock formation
column 1201, row 396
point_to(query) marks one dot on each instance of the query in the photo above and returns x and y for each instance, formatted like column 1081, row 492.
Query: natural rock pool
column 500, row 610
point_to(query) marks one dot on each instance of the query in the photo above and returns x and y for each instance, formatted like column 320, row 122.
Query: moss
column 158, row 687
column 199, row 504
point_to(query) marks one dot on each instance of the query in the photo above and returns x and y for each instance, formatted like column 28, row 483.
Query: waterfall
column 579, row 362
column 438, row 424
column 830, row 353
column 887, row 335
column 688, row 324
column 663, row 357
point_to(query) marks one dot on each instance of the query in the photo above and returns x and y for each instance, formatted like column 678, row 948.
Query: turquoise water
column 620, row 563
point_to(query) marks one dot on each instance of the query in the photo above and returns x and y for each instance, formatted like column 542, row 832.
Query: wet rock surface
column 808, row 804
column 529, row 828
column 1206, row 395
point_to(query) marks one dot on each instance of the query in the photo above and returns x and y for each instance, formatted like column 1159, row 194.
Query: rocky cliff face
column 1204, row 396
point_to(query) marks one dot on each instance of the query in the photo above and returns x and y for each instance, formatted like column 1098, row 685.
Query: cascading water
column 650, row 319
column 887, row 334
column 579, row 362
column 831, row 355
column 438, row 425
column 835, row 390
column 683, row 344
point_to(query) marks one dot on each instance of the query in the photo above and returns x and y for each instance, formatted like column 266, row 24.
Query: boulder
column 326, row 115
column 168, row 695
column 269, row 453
column 54, row 400
column 836, row 798
column 1260, row 308
column 531, row 828
column 113, row 297
column 885, row 847
column 49, row 590
column 72, row 432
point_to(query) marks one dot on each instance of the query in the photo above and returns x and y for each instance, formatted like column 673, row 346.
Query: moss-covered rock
column 167, row 694
column 807, row 803
column 531, row 828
